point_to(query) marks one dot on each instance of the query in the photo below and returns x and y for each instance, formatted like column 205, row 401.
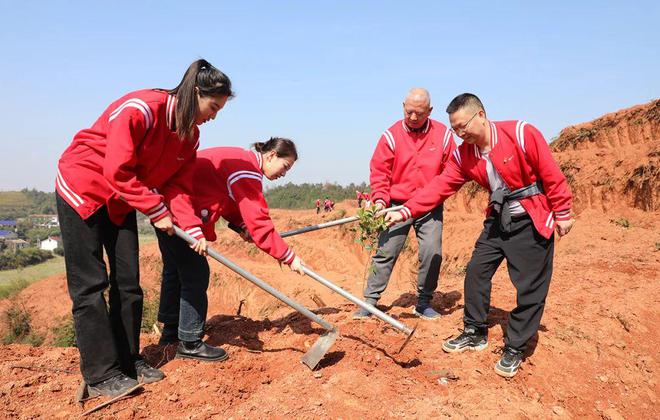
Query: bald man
column 408, row 155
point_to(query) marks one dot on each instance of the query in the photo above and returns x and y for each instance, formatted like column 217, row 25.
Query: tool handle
column 257, row 282
column 332, row 223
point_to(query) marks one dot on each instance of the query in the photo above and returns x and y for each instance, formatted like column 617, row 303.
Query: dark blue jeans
column 183, row 300
column 107, row 335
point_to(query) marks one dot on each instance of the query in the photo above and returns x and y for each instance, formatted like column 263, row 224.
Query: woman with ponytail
column 138, row 155
column 227, row 183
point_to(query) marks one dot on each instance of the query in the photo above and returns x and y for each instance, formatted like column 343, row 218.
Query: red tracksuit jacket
column 129, row 152
column 405, row 161
column 227, row 183
column 521, row 156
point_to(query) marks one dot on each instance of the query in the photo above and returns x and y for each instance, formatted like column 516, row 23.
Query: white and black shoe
column 472, row 338
column 508, row 365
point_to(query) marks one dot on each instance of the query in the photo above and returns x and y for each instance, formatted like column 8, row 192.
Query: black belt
column 500, row 198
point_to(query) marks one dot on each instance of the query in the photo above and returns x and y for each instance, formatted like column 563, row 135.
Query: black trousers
column 529, row 259
column 107, row 334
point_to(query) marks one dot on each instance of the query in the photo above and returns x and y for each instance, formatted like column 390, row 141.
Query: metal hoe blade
column 322, row 344
column 319, row 349
column 370, row 308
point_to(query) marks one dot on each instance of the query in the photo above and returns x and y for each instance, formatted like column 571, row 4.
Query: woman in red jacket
column 139, row 151
column 227, row 184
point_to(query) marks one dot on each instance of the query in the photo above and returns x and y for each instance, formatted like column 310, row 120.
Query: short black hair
column 465, row 100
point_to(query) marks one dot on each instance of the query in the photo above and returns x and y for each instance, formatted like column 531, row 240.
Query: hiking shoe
column 426, row 312
column 509, row 363
column 362, row 313
column 147, row 374
column 472, row 338
column 112, row 387
column 199, row 350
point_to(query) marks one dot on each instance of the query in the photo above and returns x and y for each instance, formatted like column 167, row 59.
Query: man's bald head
column 419, row 95
column 417, row 108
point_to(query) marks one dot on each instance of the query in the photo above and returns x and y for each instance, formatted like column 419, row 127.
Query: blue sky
column 330, row 75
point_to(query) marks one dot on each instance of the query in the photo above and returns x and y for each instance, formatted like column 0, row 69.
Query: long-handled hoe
column 322, row 344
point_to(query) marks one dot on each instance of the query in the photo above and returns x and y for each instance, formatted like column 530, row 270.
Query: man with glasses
column 408, row 155
column 530, row 199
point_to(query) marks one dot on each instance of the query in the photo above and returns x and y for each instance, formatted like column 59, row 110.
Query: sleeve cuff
column 288, row 257
column 380, row 201
column 563, row 215
column 156, row 213
column 195, row 232
column 406, row 213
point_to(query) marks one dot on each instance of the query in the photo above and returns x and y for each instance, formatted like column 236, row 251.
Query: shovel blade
column 319, row 349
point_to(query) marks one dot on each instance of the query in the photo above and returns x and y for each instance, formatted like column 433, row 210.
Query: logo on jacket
column 508, row 159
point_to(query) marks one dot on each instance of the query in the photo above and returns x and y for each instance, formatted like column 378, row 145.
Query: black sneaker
column 199, row 350
column 115, row 386
column 472, row 338
column 509, row 363
column 147, row 374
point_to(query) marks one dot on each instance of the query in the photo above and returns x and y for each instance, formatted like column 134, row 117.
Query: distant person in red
column 326, row 204
column 138, row 152
column 359, row 197
column 227, row 184
column 332, row 205
column 367, row 199
column 318, row 205
column 529, row 200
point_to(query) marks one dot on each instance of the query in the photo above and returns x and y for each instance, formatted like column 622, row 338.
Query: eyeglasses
column 465, row 126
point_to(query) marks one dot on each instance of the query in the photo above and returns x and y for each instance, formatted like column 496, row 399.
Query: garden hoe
column 322, row 344
column 368, row 307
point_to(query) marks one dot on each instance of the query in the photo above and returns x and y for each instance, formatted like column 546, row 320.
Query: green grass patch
column 150, row 306
column 65, row 333
column 13, row 281
column 623, row 222
column 19, row 330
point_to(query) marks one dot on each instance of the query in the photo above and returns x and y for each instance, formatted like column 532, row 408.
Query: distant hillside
column 303, row 196
column 614, row 160
column 22, row 203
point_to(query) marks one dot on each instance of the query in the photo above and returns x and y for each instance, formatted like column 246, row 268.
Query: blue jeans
column 183, row 300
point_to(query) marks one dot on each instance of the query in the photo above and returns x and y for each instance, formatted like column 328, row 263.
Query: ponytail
column 209, row 81
column 283, row 147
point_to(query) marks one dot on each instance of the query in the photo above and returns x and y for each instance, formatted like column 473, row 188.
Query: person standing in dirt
column 318, row 205
column 408, row 155
column 228, row 184
column 359, row 197
column 137, row 153
column 529, row 200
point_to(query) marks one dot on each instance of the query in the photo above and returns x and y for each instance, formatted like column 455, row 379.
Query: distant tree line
column 28, row 201
column 303, row 196
column 23, row 258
